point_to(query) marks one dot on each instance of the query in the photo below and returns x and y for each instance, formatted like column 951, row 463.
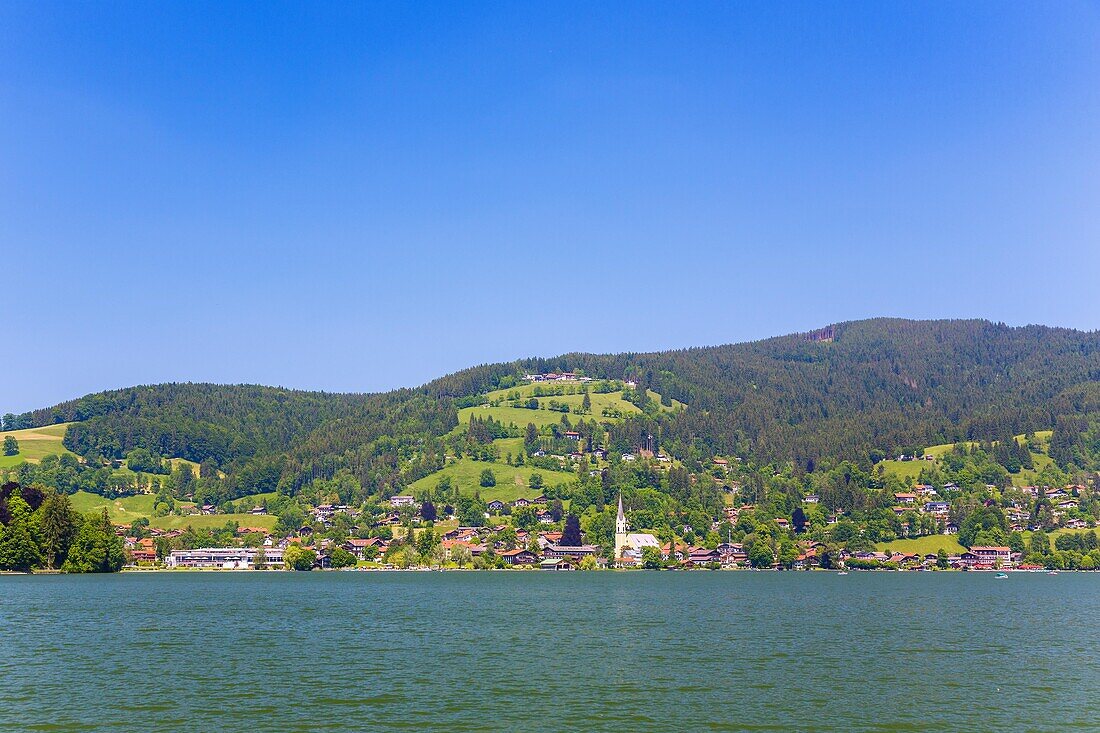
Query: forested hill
column 856, row 390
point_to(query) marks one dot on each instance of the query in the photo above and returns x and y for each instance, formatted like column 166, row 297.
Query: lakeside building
column 226, row 558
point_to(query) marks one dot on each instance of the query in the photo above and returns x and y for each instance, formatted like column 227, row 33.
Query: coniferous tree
column 571, row 533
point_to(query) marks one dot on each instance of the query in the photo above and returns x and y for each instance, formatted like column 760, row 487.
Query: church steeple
column 620, row 530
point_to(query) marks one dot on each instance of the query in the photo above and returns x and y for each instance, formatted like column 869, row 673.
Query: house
column 951, row 528
column 258, row 510
column 573, row 551
column 358, row 547
column 991, row 555
column 1071, row 524
column 783, row 523
column 811, row 499
column 629, row 457
column 702, row 556
column 572, row 435
column 1067, row 505
column 732, row 554
column 401, row 500
column 721, row 462
column 600, row 453
column 555, row 563
column 521, row 502
column 936, row 507
column 905, row 498
column 519, row 557
column 144, row 551
column 496, row 506
column 545, row 517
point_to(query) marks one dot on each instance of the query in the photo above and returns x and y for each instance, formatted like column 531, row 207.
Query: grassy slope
column 1023, row 478
column 520, row 416
column 512, row 482
column 35, row 444
column 126, row 510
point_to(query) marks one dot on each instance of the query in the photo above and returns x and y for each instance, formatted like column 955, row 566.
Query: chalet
column 905, row 498
column 545, row 539
column 600, row 453
column 521, row 502
column 783, row 523
column 672, row 552
column 951, row 528
column 662, row 458
column 702, row 556
column 811, row 499
column 358, row 547
column 258, row 510
column 401, row 500
column 496, row 505
column 1055, row 493
column 1067, row 505
column 574, row 551
column 951, row 487
column 545, row 517
column 991, row 555
column 1071, row 524
column 721, row 462
column 519, row 557
column 208, row 509
column 144, row 552
column 936, row 507
column 629, row 457
column 555, row 563
column 540, row 499
column 572, row 435
column 732, row 554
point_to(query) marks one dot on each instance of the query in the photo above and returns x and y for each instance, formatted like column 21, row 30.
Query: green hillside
column 512, row 482
column 131, row 508
column 35, row 444
column 1026, row 476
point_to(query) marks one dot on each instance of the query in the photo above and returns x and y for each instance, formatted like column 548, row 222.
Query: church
column 630, row 545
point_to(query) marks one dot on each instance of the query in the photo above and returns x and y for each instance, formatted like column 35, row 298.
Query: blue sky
column 363, row 196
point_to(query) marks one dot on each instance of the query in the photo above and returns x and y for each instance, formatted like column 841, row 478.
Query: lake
column 513, row 651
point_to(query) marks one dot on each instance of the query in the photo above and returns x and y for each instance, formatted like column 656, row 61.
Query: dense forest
column 856, row 392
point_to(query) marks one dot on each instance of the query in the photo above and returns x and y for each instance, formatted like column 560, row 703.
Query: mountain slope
column 856, row 390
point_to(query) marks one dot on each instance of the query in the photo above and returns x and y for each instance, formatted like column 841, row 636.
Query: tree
column 300, row 558
column 57, row 528
column 259, row 560
column 341, row 558
column 651, row 558
column 941, row 559
column 798, row 520
column 96, row 549
column 531, row 436
column 18, row 550
column 571, row 534
column 535, row 482
column 488, row 478
column 11, row 445
column 427, row 511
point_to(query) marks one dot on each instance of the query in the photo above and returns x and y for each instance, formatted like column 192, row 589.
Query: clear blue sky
column 362, row 196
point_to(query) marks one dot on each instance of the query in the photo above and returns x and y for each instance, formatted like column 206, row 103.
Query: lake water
column 556, row 652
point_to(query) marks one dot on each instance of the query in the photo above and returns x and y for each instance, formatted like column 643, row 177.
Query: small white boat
column 843, row 572
column 1001, row 576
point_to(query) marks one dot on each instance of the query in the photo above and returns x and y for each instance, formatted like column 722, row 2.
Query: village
column 505, row 546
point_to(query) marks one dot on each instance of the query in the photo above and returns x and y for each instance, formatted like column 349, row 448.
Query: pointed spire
column 621, row 517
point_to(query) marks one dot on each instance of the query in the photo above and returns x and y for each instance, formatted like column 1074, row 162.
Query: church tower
column 620, row 530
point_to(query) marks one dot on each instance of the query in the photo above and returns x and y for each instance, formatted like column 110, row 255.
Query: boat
column 1052, row 572
column 843, row 572
column 1000, row 576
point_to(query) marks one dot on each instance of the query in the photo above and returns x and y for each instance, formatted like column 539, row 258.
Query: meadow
column 513, row 482
column 35, row 444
